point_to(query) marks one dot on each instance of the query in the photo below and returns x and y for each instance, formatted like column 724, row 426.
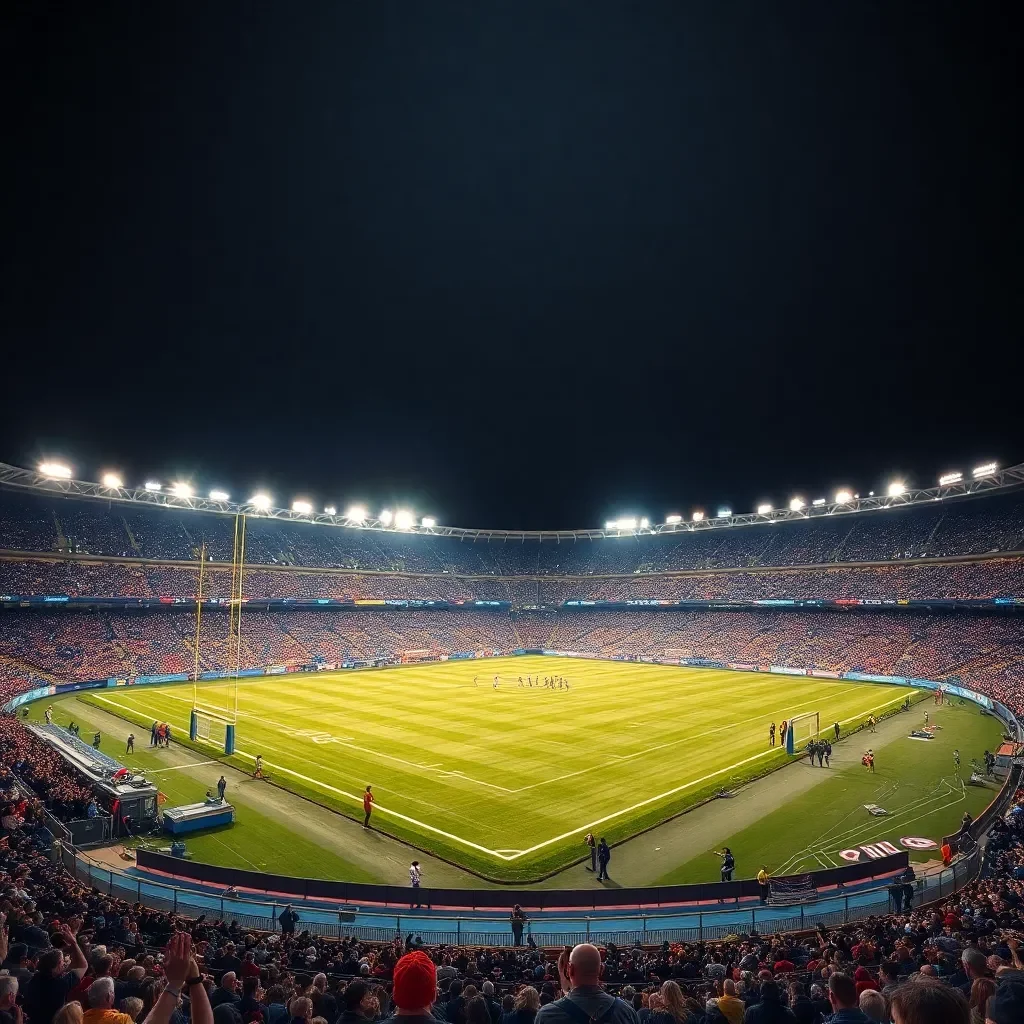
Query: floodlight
column 260, row 501
column 330, row 510
column 818, row 501
column 610, row 525
column 403, row 520
column 950, row 478
column 763, row 509
column 843, row 497
column 181, row 490
column 644, row 523
column 219, row 495
column 429, row 522
column 112, row 480
column 357, row 514
column 625, row 524
column 152, row 485
column 724, row 513
column 55, row 470
column 385, row 517
column 796, row 504
column 896, row 488
column 672, row 520
column 988, row 469
column 698, row 516
column 304, row 507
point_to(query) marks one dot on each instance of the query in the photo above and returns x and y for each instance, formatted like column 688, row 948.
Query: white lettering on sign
column 873, row 852
column 887, row 847
column 850, row 854
column 917, row 843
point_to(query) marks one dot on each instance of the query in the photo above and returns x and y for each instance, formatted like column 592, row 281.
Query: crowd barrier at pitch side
column 621, row 924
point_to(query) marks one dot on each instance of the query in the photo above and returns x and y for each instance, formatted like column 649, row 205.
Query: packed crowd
column 957, row 962
column 990, row 578
column 976, row 526
column 983, row 652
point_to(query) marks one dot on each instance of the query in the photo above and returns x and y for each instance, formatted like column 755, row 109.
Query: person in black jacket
column 769, row 1009
column 604, row 854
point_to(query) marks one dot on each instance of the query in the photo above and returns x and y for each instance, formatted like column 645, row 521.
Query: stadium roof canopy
column 30, row 480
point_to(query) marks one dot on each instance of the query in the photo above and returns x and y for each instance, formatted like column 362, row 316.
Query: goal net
column 802, row 729
column 213, row 730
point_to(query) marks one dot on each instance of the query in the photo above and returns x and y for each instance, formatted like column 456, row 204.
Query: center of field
column 486, row 775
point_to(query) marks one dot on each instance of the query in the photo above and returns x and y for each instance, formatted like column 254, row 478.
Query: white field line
column 176, row 768
column 539, row 846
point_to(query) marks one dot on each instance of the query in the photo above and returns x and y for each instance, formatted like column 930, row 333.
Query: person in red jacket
column 367, row 807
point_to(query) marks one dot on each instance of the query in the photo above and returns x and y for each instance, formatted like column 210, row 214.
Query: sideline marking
column 177, row 767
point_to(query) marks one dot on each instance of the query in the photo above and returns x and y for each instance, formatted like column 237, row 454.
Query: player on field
column 367, row 807
column 495, row 682
column 835, row 726
column 476, row 681
column 521, row 682
column 782, row 732
column 771, row 735
column 956, row 761
column 828, row 754
column 258, row 770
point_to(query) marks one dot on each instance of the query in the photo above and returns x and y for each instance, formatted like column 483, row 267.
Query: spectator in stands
column 927, row 1002
column 526, row 1005
column 226, row 991
column 769, row 1008
column 842, row 994
column 49, row 986
column 414, row 988
column 101, row 1004
column 10, row 1012
column 580, row 976
column 872, row 1005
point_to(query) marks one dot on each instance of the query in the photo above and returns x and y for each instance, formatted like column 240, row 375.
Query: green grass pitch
column 506, row 782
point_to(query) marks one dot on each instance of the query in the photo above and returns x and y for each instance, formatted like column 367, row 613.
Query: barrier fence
column 438, row 926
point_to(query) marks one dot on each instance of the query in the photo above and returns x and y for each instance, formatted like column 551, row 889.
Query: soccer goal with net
column 216, row 730
column 802, row 729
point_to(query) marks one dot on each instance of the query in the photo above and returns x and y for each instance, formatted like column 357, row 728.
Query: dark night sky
column 515, row 264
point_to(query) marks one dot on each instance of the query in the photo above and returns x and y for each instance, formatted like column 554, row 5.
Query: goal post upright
column 810, row 727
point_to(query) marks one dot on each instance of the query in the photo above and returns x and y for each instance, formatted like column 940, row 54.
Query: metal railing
column 439, row 927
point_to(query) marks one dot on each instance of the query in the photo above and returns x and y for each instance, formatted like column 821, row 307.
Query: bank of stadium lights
column 385, row 517
column 152, row 485
column 896, row 488
column 843, row 497
column 330, row 510
column 698, row 516
column 302, row 507
column 796, row 504
column 950, row 478
column 55, row 470
column 219, row 496
column 357, row 514
column 763, row 510
column 672, row 520
column 724, row 513
column 818, row 502
column 181, row 489
column 645, row 523
column 113, row 481
column 260, row 501
column 988, row 469
column 428, row 522
column 404, row 520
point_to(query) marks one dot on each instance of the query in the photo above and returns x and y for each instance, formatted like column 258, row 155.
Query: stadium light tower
column 152, row 485
column 843, row 497
column 950, row 478
column 113, row 481
column 896, row 488
column 610, row 524
column 626, row 523
column 796, row 504
column 763, row 510
column 219, row 496
column 818, row 502
column 988, row 469
column 429, row 522
column 302, row 507
column 724, row 513
column 55, row 470
column 385, row 517
column 260, row 501
column 672, row 520
column 357, row 514
column 644, row 523
column 180, row 489
column 404, row 520
column 330, row 510
column 698, row 516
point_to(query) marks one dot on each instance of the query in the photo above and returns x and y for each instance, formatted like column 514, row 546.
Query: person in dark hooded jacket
column 769, row 1008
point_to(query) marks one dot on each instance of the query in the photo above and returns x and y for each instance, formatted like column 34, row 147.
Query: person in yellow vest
column 762, row 880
